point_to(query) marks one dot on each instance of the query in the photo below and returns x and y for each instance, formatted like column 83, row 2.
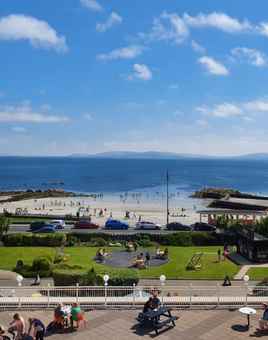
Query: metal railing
column 132, row 297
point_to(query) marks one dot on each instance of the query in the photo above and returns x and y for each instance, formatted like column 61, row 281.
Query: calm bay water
column 112, row 175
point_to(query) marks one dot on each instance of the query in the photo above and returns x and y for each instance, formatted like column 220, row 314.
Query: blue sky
column 89, row 76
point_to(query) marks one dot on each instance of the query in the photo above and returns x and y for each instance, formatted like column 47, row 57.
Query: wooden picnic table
column 154, row 317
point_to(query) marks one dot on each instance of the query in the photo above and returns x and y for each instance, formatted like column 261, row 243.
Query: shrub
column 34, row 240
column 41, row 264
column 66, row 275
column 182, row 239
column 120, row 277
column 98, row 242
column 201, row 238
column 88, row 237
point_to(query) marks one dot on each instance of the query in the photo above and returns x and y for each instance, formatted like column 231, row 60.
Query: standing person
column 219, row 255
column 38, row 328
column 17, row 326
column 147, row 258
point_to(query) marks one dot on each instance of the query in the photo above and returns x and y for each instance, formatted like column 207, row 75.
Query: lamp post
column 162, row 279
column 19, row 279
column 246, row 279
column 105, row 279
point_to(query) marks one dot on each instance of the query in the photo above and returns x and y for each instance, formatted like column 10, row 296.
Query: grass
column 174, row 269
column 257, row 274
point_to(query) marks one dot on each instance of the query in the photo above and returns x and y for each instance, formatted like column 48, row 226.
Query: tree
column 4, row 225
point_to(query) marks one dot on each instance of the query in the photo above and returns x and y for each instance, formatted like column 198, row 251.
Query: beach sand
column 149, row 209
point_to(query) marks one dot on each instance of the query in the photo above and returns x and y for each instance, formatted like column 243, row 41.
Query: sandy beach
column 181, row 209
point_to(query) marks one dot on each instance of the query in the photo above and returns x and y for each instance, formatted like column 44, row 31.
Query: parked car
column 42, row 227
column 201, row 226
column 145, row 225
column 116, row 224
column 85, row 224
column 38, row 225
column 59, row 224
column 178, row 226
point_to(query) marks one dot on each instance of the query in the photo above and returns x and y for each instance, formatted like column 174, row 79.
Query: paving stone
column 117, row 325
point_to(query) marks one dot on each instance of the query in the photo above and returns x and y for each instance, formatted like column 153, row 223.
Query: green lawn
column 175, row 269
column 257, row 274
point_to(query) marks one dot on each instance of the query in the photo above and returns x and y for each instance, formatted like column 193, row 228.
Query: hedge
column 120, row 277
column 34, row 240
column 75, row 274
column 182, row 238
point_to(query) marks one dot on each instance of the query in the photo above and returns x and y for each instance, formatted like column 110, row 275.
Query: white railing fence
column 132, row 297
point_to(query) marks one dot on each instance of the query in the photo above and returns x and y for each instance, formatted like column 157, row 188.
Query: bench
column 153, row 318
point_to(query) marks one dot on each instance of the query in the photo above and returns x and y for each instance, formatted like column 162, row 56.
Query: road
column 18, row 228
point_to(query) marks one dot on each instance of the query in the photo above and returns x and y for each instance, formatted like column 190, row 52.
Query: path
column 121, row 325
column 244, row 269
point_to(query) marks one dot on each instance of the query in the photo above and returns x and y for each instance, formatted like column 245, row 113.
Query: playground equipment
column 195, row 262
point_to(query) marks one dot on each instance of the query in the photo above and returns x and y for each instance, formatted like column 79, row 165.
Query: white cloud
column 167, row 27
column 141, row 71
column 213, row 66
column 93, row 5
column 219, row 21
column 129, row 52
column 174, row 86
column 197, row 47
column 18, row 129
column 88, row 116
column 263, row 28
column 113, row 19
column 25, row 114
column 243, row 110
column 37, row 32
column 257, row 105
column 250, row 55
column 222, row 110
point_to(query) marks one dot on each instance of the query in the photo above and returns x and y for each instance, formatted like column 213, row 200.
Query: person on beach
column 38, row 328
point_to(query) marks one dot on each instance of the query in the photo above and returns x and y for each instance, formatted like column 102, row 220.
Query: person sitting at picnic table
column 263, row 322
column 59, row 316
column 3, row 335
column 148, row 305
column 76, row 315
column 38, row 328
column 17, row 327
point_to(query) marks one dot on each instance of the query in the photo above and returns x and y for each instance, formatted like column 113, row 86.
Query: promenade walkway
column 120, row 325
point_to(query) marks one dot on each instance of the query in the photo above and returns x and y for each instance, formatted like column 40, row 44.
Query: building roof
column 232, row 212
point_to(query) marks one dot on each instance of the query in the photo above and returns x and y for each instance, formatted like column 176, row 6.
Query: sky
column 88, row 76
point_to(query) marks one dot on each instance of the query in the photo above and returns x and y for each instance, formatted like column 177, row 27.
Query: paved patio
column 115, row 325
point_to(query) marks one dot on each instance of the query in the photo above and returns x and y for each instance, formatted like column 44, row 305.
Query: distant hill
column 166, row 155
column 254, row 156
column 140, row 155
